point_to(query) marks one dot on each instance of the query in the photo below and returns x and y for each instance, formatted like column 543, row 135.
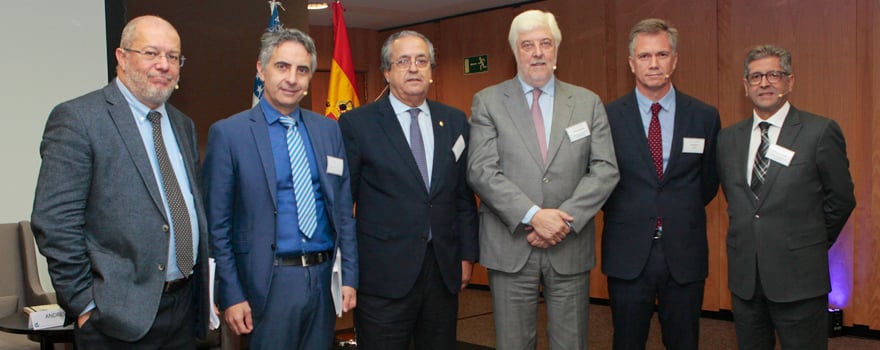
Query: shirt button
column 165, row 228
column 161, row 267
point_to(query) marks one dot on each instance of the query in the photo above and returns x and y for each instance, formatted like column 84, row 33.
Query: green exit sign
column 476, row 64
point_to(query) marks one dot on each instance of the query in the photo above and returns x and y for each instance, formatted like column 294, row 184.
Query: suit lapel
column 521, row 118
column 562, row 110
column 741, row 139
column 791, row 127
column 391, row 128
column 632, row 123
column 442, row 146
column 260, row 133
column 681, row 122
column 121, row 115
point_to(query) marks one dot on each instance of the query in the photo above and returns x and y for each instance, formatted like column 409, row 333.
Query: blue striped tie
column 302, row 179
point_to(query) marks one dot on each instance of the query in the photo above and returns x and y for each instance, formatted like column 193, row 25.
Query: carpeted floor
column 476, row 329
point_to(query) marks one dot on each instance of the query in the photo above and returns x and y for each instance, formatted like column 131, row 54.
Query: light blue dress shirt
column 666, row 116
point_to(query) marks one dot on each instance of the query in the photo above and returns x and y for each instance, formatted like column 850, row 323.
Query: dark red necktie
column 655, row 142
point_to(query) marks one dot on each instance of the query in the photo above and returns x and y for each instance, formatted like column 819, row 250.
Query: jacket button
column 545, row 180
column 757, row 217
column 161, row 267
column 165, row 228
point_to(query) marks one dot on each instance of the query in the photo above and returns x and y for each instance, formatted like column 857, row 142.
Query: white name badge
column 458, row 147
column 577, row 131
column 335, row 165
column 693, row 145
column 780, row 154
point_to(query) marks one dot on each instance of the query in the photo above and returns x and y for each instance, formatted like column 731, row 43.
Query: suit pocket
column 802, row 239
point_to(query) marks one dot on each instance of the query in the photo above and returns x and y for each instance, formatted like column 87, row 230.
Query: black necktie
column 179, row 213
column 761, row 162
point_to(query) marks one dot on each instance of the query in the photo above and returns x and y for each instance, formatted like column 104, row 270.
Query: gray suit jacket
column 800, row 211
column 98, row 215
column 506, row 170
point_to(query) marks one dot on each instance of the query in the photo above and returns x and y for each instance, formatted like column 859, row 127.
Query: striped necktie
column 302, row 178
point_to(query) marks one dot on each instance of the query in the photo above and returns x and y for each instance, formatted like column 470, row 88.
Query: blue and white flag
column 274, row 23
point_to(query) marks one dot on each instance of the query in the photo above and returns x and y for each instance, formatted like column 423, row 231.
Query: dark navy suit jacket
column 690, row 181
column 394, row 209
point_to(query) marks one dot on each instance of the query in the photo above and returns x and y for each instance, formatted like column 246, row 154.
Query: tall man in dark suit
column 789, row 193
column 654, row 244
column 417, row 227
column 279, row 206
column 118, row 212
column 542, row 161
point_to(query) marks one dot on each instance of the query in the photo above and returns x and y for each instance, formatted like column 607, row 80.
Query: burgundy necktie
column 538, row 120
column 655, row 142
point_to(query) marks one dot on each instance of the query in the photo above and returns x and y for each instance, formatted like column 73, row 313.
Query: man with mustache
column 417, row 225
column 789, row 192
column 118, row 211
column 654, row 244
column 542, row 161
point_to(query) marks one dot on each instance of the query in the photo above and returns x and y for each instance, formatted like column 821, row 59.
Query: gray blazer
column 506, row 170
column 98, row 215
column 801, row 210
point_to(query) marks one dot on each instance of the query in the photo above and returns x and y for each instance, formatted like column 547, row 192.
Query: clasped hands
column 548, row 228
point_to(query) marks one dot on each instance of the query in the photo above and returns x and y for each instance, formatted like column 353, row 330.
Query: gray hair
column 531, row 20
column 653, row 26
column 386, row 48
column 272, row 39
column 762, row 51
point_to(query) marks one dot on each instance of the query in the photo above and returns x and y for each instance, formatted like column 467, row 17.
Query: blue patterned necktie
column 302, row 178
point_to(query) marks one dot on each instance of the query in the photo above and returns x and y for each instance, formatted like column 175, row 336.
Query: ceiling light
column 316, row 5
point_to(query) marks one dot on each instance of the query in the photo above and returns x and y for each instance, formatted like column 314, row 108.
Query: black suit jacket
column 394, row 209
column 689, row 183
column 801, row 210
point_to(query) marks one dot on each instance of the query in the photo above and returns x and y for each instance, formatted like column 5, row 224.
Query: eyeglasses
column 772, row 77
column 405, row 62
column 151, row 56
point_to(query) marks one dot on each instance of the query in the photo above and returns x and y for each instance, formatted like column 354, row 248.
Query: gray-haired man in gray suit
column 542, row 161
column 117, row 212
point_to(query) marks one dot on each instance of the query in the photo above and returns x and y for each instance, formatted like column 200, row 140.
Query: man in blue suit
column 417, row 226
column 280, row 204
column 654, row 244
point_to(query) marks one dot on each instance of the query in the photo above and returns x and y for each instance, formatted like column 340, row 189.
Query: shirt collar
column 400, row 107
column 548, row 89
column 139, row 109
column 273, row 114
column 665, row 102
column 776, row 119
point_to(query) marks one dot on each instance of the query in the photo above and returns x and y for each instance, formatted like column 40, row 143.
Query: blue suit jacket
column 240, row 188
column 689, row 183
column 394, row 208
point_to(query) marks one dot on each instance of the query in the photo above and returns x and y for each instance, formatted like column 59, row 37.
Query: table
column 18, row 324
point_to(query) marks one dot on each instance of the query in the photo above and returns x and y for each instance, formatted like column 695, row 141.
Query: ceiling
column 386, row 14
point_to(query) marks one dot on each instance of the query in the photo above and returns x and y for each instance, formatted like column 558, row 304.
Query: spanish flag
column 342, row 96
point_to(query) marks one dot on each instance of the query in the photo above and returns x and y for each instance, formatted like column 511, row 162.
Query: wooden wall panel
column 837, row 74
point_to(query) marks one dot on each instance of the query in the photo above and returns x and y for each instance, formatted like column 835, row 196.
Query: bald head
column 148, row 59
